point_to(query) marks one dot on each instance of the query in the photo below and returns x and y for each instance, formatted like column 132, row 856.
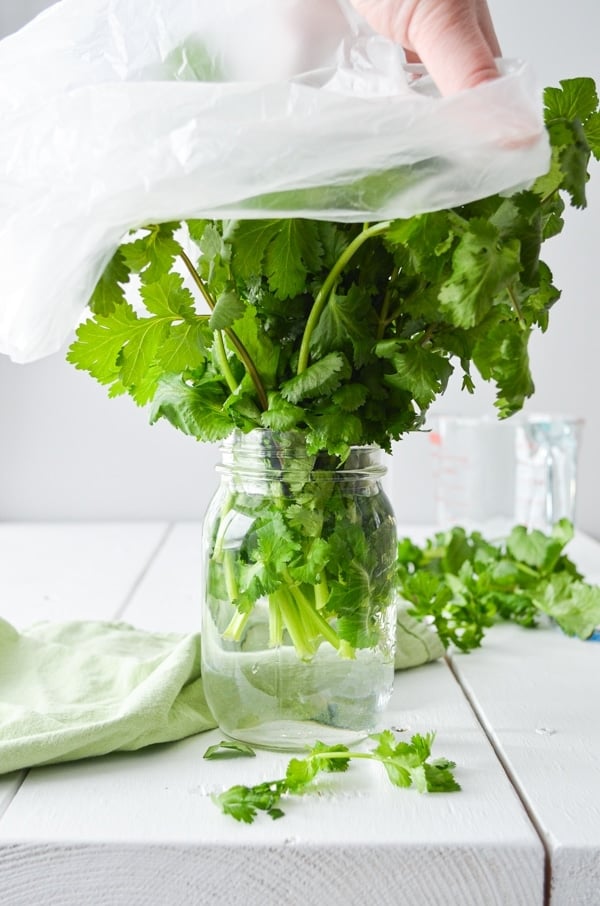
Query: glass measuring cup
column 495, row 474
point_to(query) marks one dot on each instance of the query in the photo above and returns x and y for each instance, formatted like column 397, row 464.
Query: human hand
column 455, row 39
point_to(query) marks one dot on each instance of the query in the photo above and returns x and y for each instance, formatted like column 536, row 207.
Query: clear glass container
column 298, row 625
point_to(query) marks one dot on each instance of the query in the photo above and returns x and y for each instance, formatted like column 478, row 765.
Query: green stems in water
column 291, row 611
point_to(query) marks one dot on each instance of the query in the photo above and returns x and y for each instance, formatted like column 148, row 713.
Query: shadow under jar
column 299, row 614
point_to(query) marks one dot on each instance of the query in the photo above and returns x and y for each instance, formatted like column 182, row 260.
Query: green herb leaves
column 131, row 353
column 406, row 764
column 285, row 251
column 464, row 584
column 346, row 333
column 573, row 123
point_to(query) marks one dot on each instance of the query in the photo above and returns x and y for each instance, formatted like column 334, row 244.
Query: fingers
column 455, row 39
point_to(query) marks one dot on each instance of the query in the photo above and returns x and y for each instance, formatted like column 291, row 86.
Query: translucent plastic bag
column 117, row 113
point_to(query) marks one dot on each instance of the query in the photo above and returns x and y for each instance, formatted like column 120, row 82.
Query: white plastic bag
column 117, row 113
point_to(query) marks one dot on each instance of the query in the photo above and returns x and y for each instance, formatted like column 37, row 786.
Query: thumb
column 455, row 39
column 450, row 41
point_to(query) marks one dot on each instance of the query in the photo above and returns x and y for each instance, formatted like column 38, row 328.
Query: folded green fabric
column 76, row 689
column 71, row 690
column 416, row 642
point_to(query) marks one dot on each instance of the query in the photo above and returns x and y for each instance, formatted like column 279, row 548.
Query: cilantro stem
column 250, row 368
column 330, row 281
column 517, row 307
column 321, row 593
column 223, row 361
column 385, row 308
column 313, row 620
column 293, row 623
column 230, row 580
column 236, row 626
column 275, row 623
column 235, row 341
column 217, row 553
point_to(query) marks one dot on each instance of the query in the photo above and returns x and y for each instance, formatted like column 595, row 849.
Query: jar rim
column 252, row 454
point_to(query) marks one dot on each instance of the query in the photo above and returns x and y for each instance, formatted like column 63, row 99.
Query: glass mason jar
column 299, row 615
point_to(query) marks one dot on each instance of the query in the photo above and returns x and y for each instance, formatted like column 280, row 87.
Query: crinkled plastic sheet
column 117, row 113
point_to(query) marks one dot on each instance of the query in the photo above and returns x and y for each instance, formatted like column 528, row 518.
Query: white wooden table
column 521, row 718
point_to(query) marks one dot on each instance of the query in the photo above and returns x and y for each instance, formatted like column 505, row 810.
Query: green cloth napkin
column 76, row 689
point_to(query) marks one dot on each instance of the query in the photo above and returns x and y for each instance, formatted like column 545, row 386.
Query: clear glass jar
column 298, row 625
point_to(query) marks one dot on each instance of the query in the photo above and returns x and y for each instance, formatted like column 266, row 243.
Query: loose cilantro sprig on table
column 406, row 763
column 464, row 583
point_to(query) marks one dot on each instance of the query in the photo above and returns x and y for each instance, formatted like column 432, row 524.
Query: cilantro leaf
column 500, row 355
column 293, row 250
column 347, row 323
column 185, row 347
column 281, row 415
column 275, row 544
column 227, row 311
column 229, row 748
column 319, row 379
column 243, row 802
column 534, row 548
column 100, row 341
column 483, row 266
column 282, row 250
column 195, row 409
column 572, row 603
column 575, row 99
column 152, row 255
column 167, row 298
column 109, row 289
column 423, row 372
column 592, row 134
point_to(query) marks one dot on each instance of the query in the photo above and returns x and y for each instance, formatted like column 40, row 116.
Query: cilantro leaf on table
column 229, row 748
column 463, row 583
column 406, row 764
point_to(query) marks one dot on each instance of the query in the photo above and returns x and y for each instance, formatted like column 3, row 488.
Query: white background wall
column 68, row 452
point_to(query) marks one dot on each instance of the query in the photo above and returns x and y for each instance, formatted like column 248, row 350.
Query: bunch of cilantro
column 345, row 332
column 463, row 583
column 343, row 335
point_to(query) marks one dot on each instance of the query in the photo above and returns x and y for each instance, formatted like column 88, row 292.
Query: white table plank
column 168, row 597
column 142, row 829
column 59, row 571
column 357, row 840
column 537, row 694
